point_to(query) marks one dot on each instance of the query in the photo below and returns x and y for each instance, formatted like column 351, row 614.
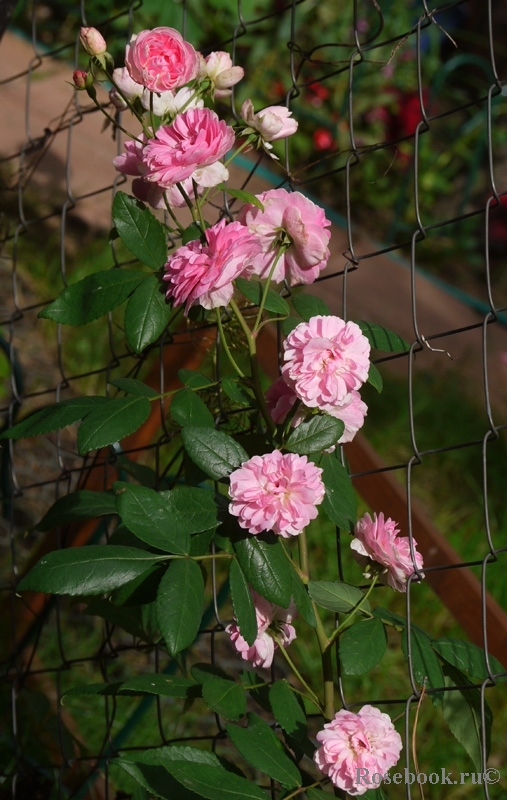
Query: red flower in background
column 322, row 139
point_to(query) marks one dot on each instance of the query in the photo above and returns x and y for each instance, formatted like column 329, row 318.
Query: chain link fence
column 402, row 138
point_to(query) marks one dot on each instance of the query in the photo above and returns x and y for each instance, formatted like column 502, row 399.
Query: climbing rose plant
column 251, row 465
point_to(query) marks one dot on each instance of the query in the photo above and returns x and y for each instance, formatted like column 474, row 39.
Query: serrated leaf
column 288, row 711
column 214, row 783
column 180, row 601
column 254, row 290
column 302, row 600
column 381, row 338
column 260, row 746
column 203, row 672
column 112, row 422
column 314, row 435
column 192, row 232
column 462, row 712
column 266, row 567
column 147, row 314
column 140, row 685
column 224, row 697
column 187, row 408
column 194, row 380
column 337, row 596
column 89, row 570
column 425, row 663
column 154, row 778
column 244, row 609
column 362, row 646
column 467, row 657
column 53, row 418
column 240, row 194
column 135, row 387
column 83, row 504
column 375, row 378
column 340, row 500
column 216, row 453
column 93, row 296
column 140, row 230
column 149, row 515
column 236, row 393
column 308, row 306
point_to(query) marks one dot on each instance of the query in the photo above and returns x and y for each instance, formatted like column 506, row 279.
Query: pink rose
column 220, row 71
column 160, row 59
column 276, row 492
column 191, row 146
column 261, row 652
column 202, row 274
column 271, row 123
column 80, row 79
column 351, row 411
column 356, row 746
column 378, row 540
column 124, row 88
column 92, row 41
column 326, row 358
column 294, row 226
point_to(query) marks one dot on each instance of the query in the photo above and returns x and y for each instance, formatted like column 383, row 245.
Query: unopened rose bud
column 92, row 41
column 80, row 79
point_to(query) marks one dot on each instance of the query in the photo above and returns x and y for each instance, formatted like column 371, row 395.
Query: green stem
column 347, row 622
column 315, row 700
column 189, row 203
column 301, row 789
column 303, row 555
column 223, row 341
column 266, row 290
column 256, row 379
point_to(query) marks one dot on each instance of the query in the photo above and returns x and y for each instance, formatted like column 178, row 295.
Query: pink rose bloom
column 276, row 492
column 280, row 399
column 326, row 358
column 352, row 742
column 271, row 123
column 351, row 411
column 378, row 540
column 220, row 71
column 202, row 274
column 160, row 59
column 190, row 147
column 295, row 224
column 261, row 652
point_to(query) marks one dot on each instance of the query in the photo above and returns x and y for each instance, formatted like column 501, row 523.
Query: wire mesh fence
column 402, row 117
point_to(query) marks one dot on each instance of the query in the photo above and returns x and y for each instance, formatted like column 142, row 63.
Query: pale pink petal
column 377, row 542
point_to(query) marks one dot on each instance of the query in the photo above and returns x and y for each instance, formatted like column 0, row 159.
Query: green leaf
column 203, row 672
column 254, row 290
column 93, row 296
column 337, row 596
column 375, row 378
column 140, row 230
column 140, row 685
column 240, row 194
column 193, row 232
column 93, row 569
column 288, row 325
column 214, row 783
column 135, row 387
column 224, row 697
column 462, row 712
column 112, row 422
column 266, row 567
column 260, row 746
column 147, row 314
column 187, row 408
column 467, row 657
column 194, row 380
column 180, row 601
column 149, row 515
column 340, row 501
column 216, row 453
column 314, row 435
column 308, row 306
column 288, row 711
column 302, row 600
column 236, row 392
column 382, row 338
column 53, row 418
column 84, row 504
column 425, row 663
column 362, row 646
column 129, row 618
column 153, row 777
column 244, row 609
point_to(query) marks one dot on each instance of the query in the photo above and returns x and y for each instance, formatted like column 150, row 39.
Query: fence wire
column 402, row 138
